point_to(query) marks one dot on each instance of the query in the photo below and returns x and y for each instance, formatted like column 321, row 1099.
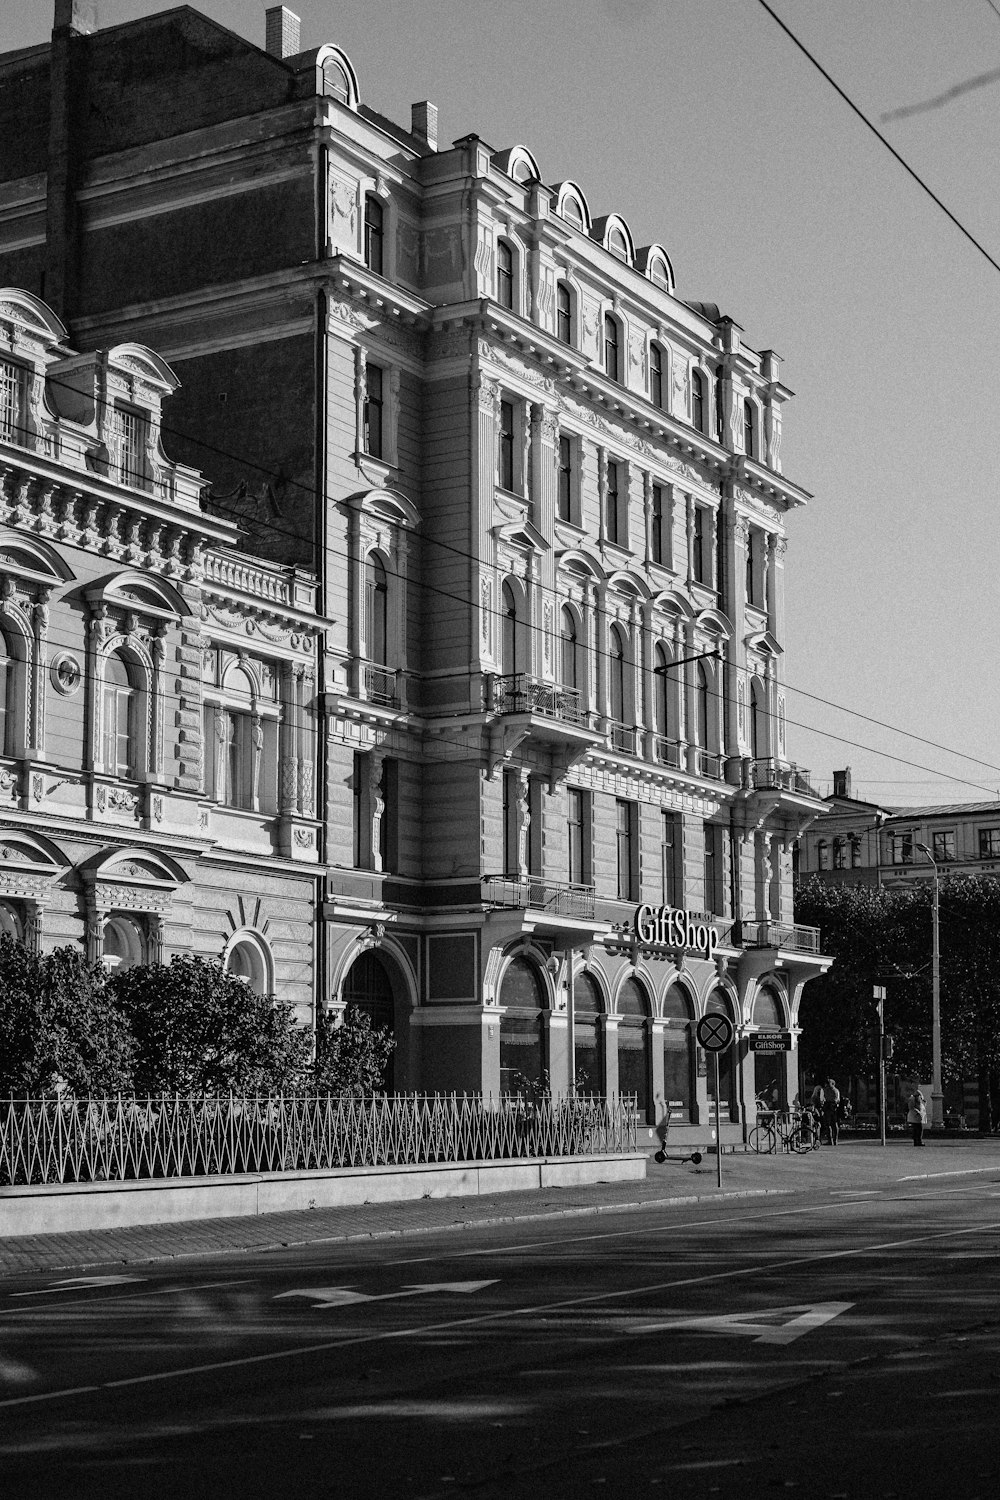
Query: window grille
column 12, row 428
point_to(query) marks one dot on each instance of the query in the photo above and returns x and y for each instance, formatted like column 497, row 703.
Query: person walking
column 916, row 1116
column 831, row 1111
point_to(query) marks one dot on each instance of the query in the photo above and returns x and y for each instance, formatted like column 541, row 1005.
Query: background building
column 543, row 500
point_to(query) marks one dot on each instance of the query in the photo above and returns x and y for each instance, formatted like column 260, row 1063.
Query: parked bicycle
column 791, row 1130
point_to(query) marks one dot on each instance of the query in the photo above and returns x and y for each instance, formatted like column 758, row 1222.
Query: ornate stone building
column 543, row 499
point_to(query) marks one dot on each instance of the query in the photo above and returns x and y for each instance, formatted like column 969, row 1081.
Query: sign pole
column 718, row 1132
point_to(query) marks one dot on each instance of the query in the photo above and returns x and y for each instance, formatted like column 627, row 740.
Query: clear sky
column 701, row 123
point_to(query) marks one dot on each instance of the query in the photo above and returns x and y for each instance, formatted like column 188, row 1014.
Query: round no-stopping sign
column 715, row 1033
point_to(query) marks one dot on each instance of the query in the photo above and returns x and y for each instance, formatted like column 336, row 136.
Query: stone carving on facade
column 741, row 708
column 116, row 799
column 109, row 896
column 517, row 367
column 522, row 821
column 678, row 387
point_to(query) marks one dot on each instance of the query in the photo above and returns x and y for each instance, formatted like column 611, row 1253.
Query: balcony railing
column 770, row 775
column 380, row 686
column 622, row 736
column 792, row 937
column 555, row 897
column 707, row 763
column 667, row 752
column 521, row 693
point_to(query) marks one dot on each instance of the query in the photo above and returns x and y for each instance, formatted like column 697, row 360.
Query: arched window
column 678, row 1055
column 617, row 674
column 634, row 1063
column 618, row 244
column 698, row 400
column 508, row 631
column 572, row 211
column 10, row 921
column 569, row 660
column 612, row 348
column 701, row 693
column 564, row 313
column 246, row 960
column 658, row 273
column 8, row 668
column 368, row 988
column 121, row 718
column 124, row 943
column 522, row 1051
column 758, row 721
column 718, row 1004
column 666, row 689
column 769, row 1067
column 749, row 430
column 656, row 375
column 587, row 1036
column 335, row 81
column 505, row 275
column 374, row 234
column 377, row 612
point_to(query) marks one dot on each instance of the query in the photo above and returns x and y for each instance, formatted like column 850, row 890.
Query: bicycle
column 781, row 1127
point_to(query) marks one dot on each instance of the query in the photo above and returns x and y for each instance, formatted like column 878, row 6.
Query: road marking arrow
column 79, row 1284
column 789, row 1324
column 345, row 1296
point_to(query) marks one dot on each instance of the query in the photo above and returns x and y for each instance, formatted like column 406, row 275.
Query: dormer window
column 129, row 429
column 658, row 273
column 505, row 275
column 564, row 313
column 336, row 84
column 13, row 381
column 618, row 245
column 612, row 348
column 374, row 234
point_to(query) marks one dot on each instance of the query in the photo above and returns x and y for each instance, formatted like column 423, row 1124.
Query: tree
column 198, row 1029
column 352, row 1057
column 59, row 1025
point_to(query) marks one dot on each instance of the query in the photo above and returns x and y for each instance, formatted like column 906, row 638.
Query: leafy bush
column 352, row 1057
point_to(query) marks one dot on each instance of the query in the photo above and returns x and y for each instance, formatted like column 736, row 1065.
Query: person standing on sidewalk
column 916, row 1116
column 831, row 1111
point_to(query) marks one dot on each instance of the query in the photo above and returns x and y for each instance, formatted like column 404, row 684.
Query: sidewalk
column 853, row 1166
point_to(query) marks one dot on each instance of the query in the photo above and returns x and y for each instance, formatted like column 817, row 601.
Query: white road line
column 478, row 1319
column 122, row 1300
column 958, row 1172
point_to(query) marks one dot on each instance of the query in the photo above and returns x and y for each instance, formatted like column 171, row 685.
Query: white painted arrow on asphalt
column 79, row 1284
column 789, row 1323
column 345, row 1296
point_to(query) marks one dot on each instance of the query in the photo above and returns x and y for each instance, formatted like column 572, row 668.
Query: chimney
column 283, row 30
column 842, row 782
column 424, row 123
column 79, row 16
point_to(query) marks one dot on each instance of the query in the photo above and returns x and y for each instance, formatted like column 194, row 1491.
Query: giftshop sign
column 771, row 1041
column 671, row 928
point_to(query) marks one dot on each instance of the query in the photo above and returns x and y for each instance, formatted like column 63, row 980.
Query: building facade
column 543, row 502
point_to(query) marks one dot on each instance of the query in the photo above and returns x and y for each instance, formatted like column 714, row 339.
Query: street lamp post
column 937, row 1092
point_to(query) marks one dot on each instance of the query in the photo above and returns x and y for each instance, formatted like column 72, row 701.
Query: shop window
column 634, row 1061
column 588, row 1053
column 522, row 1038
column 718, row 1004
column 678, row 1056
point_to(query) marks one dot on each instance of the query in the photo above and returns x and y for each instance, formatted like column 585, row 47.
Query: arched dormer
column 24, row 318
column 654, row 263
column 517, row 162
column 571, row 205
column 387, row 505
column 613, row 233
column 142, row 594
column 335, row 75
column 136, row 361
column 30, row 559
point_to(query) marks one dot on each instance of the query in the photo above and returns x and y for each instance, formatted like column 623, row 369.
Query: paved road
column 837, row 1343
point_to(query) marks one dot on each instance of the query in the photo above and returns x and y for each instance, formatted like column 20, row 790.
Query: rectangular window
column 989, row 843
column 656, row 375
column 578, row 814
column 752, row 567
column 506, row 445
column 511, row 864
column 700, row 561
column 374, row 234
column 374, row 384
column 535, row 827
column 839, row 855
column 901, row 848
column 658, row 527
column 626, row 814
column 565, row 496
column 12, row 389
column 713, row 870
column 505, row 275
column 673, row 858
column 612, row 519
column 130, row 432
column 120, row 730
column 943, row 846
column 357, row 803
column 855, row 853
column 564, row 313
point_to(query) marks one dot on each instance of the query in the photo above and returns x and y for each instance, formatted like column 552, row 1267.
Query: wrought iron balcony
column 380, row 686
column 622, row 736
column 520, row 693
column 770, row 775
column 792, row 937
column 667, row 752
column 554, row 897
column 708, row 764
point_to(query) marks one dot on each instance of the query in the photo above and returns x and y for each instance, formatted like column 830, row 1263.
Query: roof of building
column 946, row 810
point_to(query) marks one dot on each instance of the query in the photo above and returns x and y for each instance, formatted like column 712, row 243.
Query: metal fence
column 125, row 1139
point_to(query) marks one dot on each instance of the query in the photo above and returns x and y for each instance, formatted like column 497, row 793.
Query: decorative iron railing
column 794, row 937
column 667, row 752
column 380, row 686
column 521, row 693
column 622, row 736
column 707, row 763
column 771, row 775
column 124, row 1139
column 559, row 898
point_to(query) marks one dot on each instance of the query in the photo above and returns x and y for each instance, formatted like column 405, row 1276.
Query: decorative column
column 40, row 630
column 522, row 821
column 376, row 806
column 360, row 396
column 95, row 936
column 33, row 926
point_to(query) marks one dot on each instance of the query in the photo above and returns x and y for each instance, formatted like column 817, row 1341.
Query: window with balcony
column 508, row 631
column 659, row 539
column 564, row 312
column 989, row 843
column 374, row 411
column 507, row 469
column 380, row 683
column 698, row 400
column 374, row 234
column 626, row 837
column 579, row 817
column 943, row 846
column 564, row 497
column 656, row 375
column 505, row 275
column 758, row 719
column 612, row 348
column 672, row 858
column 569, row 650
column 701, row 706
column 13, row 388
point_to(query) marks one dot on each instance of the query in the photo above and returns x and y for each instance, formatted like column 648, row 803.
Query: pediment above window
column 388, row 505
column 763, row 642
column 32, row 560
column 139, row 594
column 27, row 318
column 521, row 534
